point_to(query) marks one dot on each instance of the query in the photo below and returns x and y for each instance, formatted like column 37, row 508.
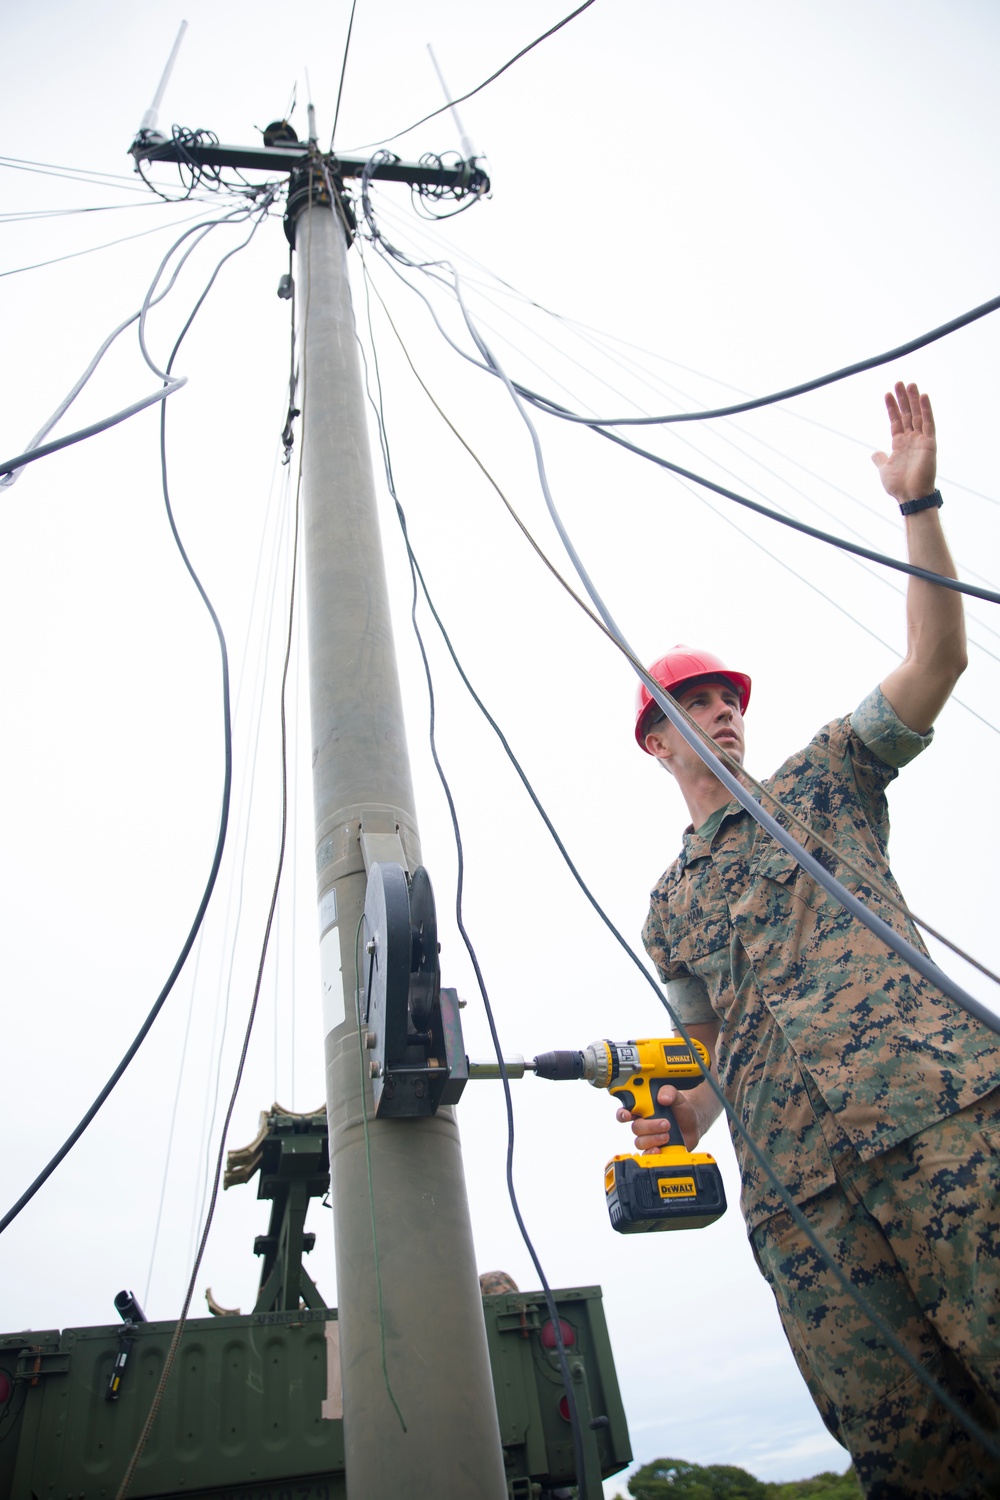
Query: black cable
column 707, row 752
column 343, row 70
column 872, row 363
column 838, row 605
column 479, row 86
column 8, row 479
column 955, row 584
column 583, row 331
column 911, row 956
column 574, row 1413
column 807, row 831
column 555, row 409
column 879, row 514
column 10, row 470
column 677, row 717
column 961, row 702
column 9, row 466
column 210, row 1215
column 184, row 141
column 158, row 1004
column 761, row 1158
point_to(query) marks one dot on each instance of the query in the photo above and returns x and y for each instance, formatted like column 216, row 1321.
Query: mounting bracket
column 411, row 1025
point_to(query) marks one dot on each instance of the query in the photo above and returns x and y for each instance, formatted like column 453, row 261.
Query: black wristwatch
column 910, row 507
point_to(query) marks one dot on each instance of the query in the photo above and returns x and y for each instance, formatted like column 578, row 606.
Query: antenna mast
column 420, row 1415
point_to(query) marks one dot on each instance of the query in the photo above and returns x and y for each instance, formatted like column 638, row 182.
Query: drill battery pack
column 669, row 1189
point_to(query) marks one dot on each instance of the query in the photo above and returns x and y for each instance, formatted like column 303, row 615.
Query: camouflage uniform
column 838, row 1058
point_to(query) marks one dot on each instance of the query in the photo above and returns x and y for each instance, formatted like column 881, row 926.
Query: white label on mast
column 328, row 910
column 331, row 981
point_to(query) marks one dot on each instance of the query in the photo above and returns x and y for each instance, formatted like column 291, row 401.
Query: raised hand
column 908, row 472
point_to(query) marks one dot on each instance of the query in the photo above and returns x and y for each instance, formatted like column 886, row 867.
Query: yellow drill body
column 672, row 1188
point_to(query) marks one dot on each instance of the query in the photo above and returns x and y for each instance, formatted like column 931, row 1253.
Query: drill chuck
column 559, row 1065
column 597, row 1063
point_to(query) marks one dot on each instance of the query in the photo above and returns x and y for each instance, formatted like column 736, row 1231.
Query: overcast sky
column 711, row 198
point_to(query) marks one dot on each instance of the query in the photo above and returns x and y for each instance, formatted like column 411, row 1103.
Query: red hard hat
column 680, row 665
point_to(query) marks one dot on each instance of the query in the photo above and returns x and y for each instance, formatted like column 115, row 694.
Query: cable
column 797, row 490
column 486, row 473
column 920, row 342
column 91, row 249
column 881, row 929
column 479, row 86
column 842, row 608
column 518, row 391
column 905, row 950
column 173, row 1122
column 218, row 988
column 10, row 471
column 343, row 70
column 554, row 409
column 883, row 1328
column 175, row 1340
column 171, row 1354
column 581, row 1474
column 30, row 215
column 764, row 1163
column 13, row 464
column 973, row 641
column 583, row 331
column 973, row 590
column 761, row 1158
column 121, row 182
column 186, row 141
column 158, row 1004
column 11, row 476
column 237, row 214
column 246, row 804
column 757, row 786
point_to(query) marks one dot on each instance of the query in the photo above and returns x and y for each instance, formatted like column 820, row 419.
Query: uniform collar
column 699, row 846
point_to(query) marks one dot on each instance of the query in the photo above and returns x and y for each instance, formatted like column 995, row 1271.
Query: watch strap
column 910, row 507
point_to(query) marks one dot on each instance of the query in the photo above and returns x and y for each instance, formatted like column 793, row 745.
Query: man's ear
column 656, row 744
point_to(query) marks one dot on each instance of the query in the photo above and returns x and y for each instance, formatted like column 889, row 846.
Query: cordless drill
column 672, row 1188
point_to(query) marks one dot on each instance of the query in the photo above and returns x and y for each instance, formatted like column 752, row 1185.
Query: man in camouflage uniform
column 876, row 1097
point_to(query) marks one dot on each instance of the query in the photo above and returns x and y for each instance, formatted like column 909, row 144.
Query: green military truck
column 252, row 1409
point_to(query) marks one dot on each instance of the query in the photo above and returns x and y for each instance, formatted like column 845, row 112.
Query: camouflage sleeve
column 687, row 998
column 687, row 995
column 875, row 723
